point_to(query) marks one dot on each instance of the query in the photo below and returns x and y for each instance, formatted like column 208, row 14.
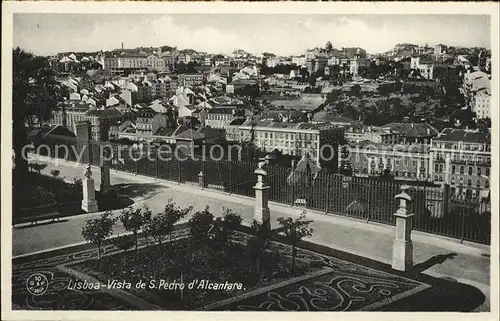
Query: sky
column 282, row 34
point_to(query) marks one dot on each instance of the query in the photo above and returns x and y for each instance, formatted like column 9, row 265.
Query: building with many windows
column 462, row 159
column 68, row 115
column 319, row 140
column 358, row 132
column 407, row 162
column 481, row 103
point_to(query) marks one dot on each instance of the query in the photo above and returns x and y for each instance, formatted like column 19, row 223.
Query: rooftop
column 413, row 129
column 190, row 134
column 222, row 110
column 464, row 135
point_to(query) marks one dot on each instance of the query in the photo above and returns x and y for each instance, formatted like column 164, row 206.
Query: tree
column 173, row 214
column 258, row 243
column 295, row 230
column 333, row 96
column 329, row 46
column 385, row 90
column 134, row 219
column 97, row 230
column 157, row 227
column 231, row 221
column 200, row 224
column 356, row 90
column 34, row 92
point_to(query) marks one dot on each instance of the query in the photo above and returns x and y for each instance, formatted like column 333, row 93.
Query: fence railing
column 368, row 199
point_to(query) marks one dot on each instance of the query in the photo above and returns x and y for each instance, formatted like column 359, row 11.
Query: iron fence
column 369, row 199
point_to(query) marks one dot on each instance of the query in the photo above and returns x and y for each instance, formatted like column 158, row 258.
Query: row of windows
column 406, row 174
column 470, row 170
column 397, row 162
column 300, row 136
column 284, row 143
column 458, row 146
column 218, row 117
column 469, row 158
column 461, row 182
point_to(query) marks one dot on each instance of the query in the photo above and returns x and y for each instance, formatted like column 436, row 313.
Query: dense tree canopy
column 35, row 92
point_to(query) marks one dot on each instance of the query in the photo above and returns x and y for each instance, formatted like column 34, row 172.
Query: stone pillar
column 447, row 170
column 402, row 249
column 201, row 180
column 89, row 203
column 430, row 172
column 445, row 188
column 261, row 212
column 105, row 177
column 83, row 131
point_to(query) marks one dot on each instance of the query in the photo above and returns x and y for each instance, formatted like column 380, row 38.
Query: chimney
column 122, row 45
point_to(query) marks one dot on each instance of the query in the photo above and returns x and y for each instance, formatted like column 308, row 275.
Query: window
column 441, row 168
column 479, row 171
column 487, row 172
column 453, row 169
column 461, row 169
column 478, row 183
column 469, row 182
column 470, row 170
column 486, row 184
column 436, row 167
column 405, row 162
column 414, row 163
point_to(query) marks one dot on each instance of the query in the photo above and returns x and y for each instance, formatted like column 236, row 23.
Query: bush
column 200, row 224
column 124, row 242
column 55, row 172
column 37, row 167
column 33, row 196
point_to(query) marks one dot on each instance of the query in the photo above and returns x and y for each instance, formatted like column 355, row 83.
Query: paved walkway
column 437, row 256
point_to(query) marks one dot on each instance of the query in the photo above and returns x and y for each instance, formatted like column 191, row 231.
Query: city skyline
column 278, row 33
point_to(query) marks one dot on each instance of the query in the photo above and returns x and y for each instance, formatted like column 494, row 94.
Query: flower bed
column 183, row 258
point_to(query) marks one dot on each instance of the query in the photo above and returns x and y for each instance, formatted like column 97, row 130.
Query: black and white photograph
column 250, row 160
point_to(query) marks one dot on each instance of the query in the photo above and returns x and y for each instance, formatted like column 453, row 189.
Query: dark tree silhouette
column 34, row 93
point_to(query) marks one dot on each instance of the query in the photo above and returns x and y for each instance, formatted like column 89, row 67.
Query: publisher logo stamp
column 37, row 284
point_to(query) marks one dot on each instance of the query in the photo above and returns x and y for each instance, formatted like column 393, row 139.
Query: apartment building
column 408, row 162
column 462, row 159
column 319, row 140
